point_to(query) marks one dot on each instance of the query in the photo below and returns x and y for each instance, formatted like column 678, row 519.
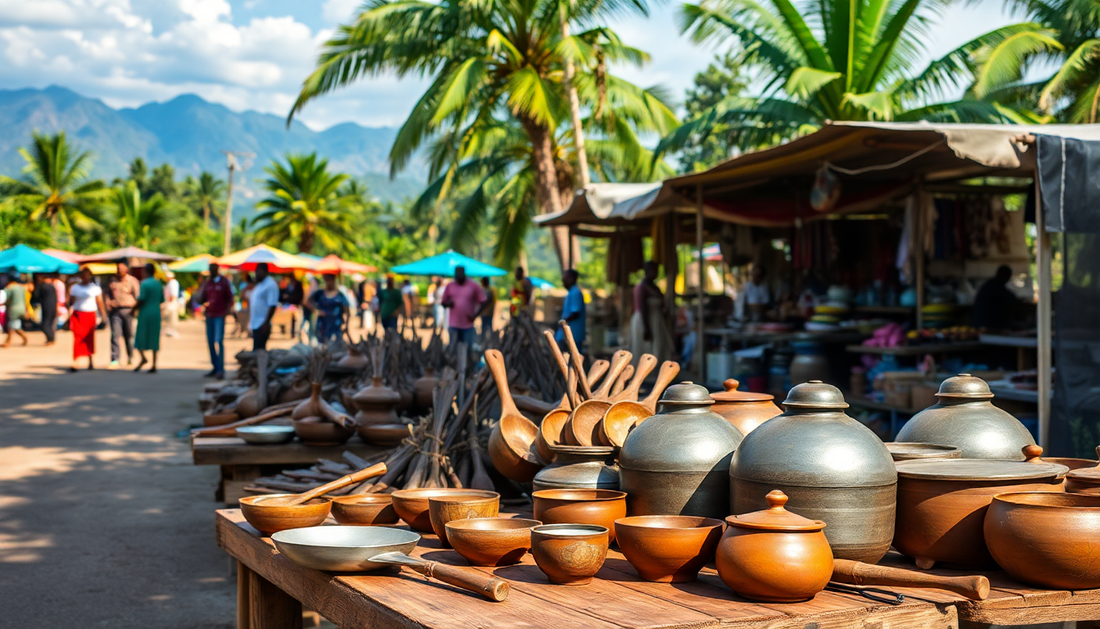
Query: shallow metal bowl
column 266, row 434
column 343, row 548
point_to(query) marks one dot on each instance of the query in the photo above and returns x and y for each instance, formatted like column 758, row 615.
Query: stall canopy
column 128, row 253
column 194, row 264
column 277, row 261
column 67, row 256
column 333, row 264
column 24, row 259
column 444, row 265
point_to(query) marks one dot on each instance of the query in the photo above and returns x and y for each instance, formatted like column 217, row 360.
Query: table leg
column 269, row 607
column 243, row 603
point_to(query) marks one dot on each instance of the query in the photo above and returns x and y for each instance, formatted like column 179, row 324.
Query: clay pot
column 464, row 506
column 298, row 390
column 347, row 398
column 744, row 409
column 314, row 431
column 383, row 435
column 353, row 360
column 906, row 451
column 220, row 419
column 412, row 505
column 774, row 555
column 942, row 504
column 579, row 467
column 668, row 548
column 569, row 554
column 424, row 387
column 809, row 363
column 1083, row 480
column 269, row 519
column 248, row 403
column 364, row 509
column 405, row 399
column 1046, row 539
column 377, row 404
column 491, row 541
column 581, row 506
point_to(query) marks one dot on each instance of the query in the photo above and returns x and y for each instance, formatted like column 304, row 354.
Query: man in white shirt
column 261, row 307
column 755, row 297
column 171, row 305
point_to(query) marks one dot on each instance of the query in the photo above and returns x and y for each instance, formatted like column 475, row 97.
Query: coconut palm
column 305, row 205
column 55, row 186
column 135, row 221
column 207, row 194
column 488, row 61
column 852, row 60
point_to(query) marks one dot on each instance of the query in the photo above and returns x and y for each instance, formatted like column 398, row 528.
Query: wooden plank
column 915, row 350
column 1028, row 615
column 234, row 451
column 244, row 605
column 269, row 607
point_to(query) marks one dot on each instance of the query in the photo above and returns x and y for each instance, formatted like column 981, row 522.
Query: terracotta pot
column 1046, row 539
column 774, row 555
column 600, row 507
column 569, row 554
column 354, row 359
column 377, row 404
column 424, row 387
column 579, row 467
column 364, row 509
column 471, row 504
column 298, row 390
column 220, row 419
column 491, row 541
column 744, row 409
column 383, row 435
column 1083, row 480
column 314, row 431
column 412, row 505
column 248, row 403
column 405, row 399
column 269, row 519
column 906, row 451
column 942, row 505
column 668, row 548
column 347, row 398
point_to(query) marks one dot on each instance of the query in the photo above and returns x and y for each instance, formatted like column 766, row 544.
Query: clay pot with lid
column 831, row 467
column 579, row 467
column 905, row 451
column 942, row 504
column 1084, row 480
column 965, row 418
column 354, row 360
column 377, row 404
column 675, row 462
column 744, row 409
column 774, row 555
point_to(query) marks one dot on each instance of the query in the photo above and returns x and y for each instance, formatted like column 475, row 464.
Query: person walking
column 150, row 298
column 489, row 308
column 522, row 292
column 85, row 300
column 390, row 302
column 172, row 304
column 332, row 309
column 217, row 294
column 411, row 297
column 464, row 299
column 45, row 298
column 122, row 294
column 649, row 331
column 16, row 297
column 366, row 305
column 261, row 307
column 293, row 294
column 573, row 311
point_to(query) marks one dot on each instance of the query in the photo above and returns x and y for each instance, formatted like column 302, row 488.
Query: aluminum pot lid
column 978, row 470
column 775, row 517
column 686, row 394
column 1087, row 474
column 685, row 440
column 965, row 386
column 813, row 395
column 731, row 394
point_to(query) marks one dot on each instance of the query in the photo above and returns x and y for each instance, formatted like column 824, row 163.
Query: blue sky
column 253, row 54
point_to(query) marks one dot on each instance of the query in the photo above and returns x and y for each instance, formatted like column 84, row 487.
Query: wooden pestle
column 974, row 587
column 343, row 481
column 492, row 588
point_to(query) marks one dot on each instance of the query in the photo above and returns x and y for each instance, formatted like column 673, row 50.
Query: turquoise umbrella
column 444, row 265
column 540, row 283
column 24, row 259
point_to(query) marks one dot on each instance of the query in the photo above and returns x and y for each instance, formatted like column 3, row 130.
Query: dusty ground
column 104, row 521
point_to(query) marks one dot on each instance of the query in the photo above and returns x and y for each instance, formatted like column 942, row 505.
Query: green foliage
column 306, row 206
column 205, row 196
column 722, row 79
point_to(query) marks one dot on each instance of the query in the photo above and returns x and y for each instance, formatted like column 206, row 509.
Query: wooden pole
column 1044, row 332
column 918, row 251
column 700, row 346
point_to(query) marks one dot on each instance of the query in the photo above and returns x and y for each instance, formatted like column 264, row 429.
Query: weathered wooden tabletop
column 234, row 451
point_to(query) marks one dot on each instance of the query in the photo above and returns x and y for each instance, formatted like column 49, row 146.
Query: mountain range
column 190, row 133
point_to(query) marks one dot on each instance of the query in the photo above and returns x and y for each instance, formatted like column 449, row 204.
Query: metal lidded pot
column 579, row 467
column 832, row 468
column 965, row 418
column 675, row 462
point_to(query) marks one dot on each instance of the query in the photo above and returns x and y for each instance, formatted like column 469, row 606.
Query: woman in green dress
column 148, row 320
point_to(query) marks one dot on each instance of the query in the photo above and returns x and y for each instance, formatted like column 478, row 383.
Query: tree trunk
column 305, row 242
column 206, row 214
column 575, row 111
column 546, row 180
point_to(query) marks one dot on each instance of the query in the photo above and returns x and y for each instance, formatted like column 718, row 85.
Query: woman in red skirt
column 85, row 300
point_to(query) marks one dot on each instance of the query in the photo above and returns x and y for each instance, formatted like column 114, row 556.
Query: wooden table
column 242, row 462
column 272, row 590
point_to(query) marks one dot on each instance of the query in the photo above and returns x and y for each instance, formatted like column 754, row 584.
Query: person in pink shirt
column 464, row 299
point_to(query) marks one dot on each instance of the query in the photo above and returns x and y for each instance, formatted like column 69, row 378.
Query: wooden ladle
column 584, row 419
column 624, row 415
column 512, row 440
column 624, row 379
column 578, row 360
column 304, row 497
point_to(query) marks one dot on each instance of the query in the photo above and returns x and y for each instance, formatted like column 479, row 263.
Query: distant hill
column 189, row 133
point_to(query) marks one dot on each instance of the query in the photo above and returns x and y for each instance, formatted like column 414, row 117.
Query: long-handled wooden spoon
column 582, row 422
column 623, row 416
column 578, row 360
column 974, row 587
column 304, row 497
column 624, row 379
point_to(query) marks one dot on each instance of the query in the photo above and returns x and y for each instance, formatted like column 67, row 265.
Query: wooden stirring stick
column 578, row 360
column 302, row 498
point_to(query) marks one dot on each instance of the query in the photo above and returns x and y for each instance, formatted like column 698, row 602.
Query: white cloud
column 339, row 10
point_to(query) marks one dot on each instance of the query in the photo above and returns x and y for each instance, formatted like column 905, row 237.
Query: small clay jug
column 377, row 404
column 354, row 359
column 423, row 388
column 774, row 555
column 744, row 409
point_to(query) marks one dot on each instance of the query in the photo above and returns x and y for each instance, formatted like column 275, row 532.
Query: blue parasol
column 444, row 265
column 540, row 283
column 24, row 259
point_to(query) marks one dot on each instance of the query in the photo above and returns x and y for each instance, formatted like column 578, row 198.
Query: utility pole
column 233, row 164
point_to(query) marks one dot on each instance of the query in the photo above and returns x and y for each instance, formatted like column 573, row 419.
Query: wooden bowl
column 569, row 554
column 512, row 448
column 269, row 519
column 491, row 541
column 364, row 509
column 314, row 431
column 383, row 435
column 668, row 548
column 599, row 507
column 472, row 503
column 412, row 505
column 1046, row 539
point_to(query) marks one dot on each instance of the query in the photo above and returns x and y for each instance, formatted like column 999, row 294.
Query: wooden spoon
column 646, row 364
column 304, row 497
column 578, row 360
column 621, row 383
column 512, row 440
column 585, row 418
column 623, row 416
column 857, row 573
column 599, row 368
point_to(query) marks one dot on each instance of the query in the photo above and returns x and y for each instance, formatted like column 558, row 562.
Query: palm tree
column 207, row 193
column 136, row 221
column 305, row 205
column 851, row 60
column 489, row 61
column 55, row 186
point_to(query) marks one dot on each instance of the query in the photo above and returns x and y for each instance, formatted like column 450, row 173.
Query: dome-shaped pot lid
column 815, row 394
column 731, row 394
column 775, row 517
column 965, row 386
column 686, row 394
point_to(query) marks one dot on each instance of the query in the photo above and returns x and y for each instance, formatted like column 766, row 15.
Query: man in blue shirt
column 573, row 311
